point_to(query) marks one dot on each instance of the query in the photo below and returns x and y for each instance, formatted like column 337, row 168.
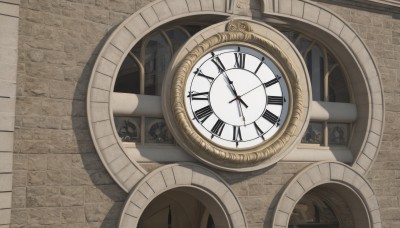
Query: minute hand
column 239, row 97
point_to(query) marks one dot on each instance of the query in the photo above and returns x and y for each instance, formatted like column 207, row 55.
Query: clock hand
column 232, row 88
column 239, row 97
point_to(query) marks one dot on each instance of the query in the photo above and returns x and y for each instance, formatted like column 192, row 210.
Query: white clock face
column 236, row 97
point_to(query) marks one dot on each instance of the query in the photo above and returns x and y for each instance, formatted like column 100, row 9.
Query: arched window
column 329, row 84
column 142, row 73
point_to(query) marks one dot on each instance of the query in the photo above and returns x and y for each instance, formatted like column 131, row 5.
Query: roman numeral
column 240, row 60
column 219, row 64
column 274, row 100
column 199, row 73
column 203, row 113
column 271, row 117
column 273, row 81
column 259, row 131
column 259, row 65
column 194, row 95
column 237, row 134
column 218, row 127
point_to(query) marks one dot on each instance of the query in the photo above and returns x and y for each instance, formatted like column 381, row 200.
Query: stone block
column 314, row 174
column 295, row 191
column 101, row 81
column 162, row 10
column 133, row 180
column 208, row 181
column 182, row 175
column 285, row 7
column 324, row 18
column 336, row 25
column 337, row 171
column 370, row 150
column 122, row 40
column 99, row 95
column 119, row 163
column 5, row 216
column 37, row 162
column 139, row 199
column 207, row 5
column 7, row 89
column 102, row 128
column 36, row 178
column 137, row 26
column 57, row 177
column 100, row 111
column 5, row 200
column 113, row 54
column 7, row 106
column 177, row 7
column 305, row 181
column 219, row 5
column 311, row 13
column 287, row 205
column 36, row 196
column 146, row 190
column 193, row 5
column 376, row 216
column 168, row 176
column 149, row 16
column 8, row 72
column 347, row 35
column 133, row 210
column 6, row 162
column 157, row 182
column 297, row 8
column 237, row 219
column 281, row 219
column 126, row 172
column 6, row 182
column 324, row 169
column 106, row 141
column 364, row 161
column 72, row 215
column 8, row 55
column 128, row 221
column 72, row 196
column 230, row 202
column 349, row 175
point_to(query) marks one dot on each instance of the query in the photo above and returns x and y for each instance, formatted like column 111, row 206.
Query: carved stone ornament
column 237, row 32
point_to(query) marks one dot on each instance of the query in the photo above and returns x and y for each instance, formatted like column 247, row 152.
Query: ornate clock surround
column 264, row 39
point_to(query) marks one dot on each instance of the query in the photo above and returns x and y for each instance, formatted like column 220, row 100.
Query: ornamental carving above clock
column 234, row 100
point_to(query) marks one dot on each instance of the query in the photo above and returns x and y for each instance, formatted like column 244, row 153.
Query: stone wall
column 59, row 180
column 58, row 177
column 381, row 32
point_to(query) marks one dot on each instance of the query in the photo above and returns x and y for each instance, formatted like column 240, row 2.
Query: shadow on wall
column 103, row 198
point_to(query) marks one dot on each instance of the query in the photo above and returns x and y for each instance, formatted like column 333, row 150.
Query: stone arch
column 122, row 166
column 196, row 180
column 348, row 183
column 335, row 31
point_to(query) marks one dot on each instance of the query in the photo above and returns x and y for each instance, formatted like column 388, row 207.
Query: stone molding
column 9, row 26
column 322, row 173
column 189, row 176
column 123, row 167
column 372, row 106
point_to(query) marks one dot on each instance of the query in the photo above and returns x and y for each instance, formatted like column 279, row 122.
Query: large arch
column 342, row 179
column 194, row 179
column 312, row 17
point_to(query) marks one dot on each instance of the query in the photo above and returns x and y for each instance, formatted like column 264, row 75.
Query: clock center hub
column 238, row 97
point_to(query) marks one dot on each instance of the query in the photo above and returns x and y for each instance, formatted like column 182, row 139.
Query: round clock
column 236, row 97
column 233, row 100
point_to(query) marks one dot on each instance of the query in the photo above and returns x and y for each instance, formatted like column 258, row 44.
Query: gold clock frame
column 237, row 32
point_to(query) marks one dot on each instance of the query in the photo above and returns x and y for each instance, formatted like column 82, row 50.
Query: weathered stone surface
column 72, row 196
